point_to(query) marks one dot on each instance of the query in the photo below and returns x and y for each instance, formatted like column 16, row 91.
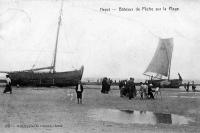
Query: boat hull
column 164, row 83
column 61, row 79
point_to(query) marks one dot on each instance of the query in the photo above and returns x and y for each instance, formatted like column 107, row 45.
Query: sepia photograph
column 99, row 66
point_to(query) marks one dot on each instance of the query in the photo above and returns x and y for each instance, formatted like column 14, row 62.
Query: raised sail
column 161, row 61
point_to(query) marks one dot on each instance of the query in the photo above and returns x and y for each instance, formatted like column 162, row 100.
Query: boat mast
column 58, row 30
column 169, row 70
column 170, row 60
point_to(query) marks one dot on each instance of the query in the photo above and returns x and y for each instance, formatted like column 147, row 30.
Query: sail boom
column 35, row 69
column 154, row 75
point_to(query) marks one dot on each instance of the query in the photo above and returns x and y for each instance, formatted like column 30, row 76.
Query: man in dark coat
column 193, row 86
column 121, row 85
column 131, row 88
column 79, row 91
column 150, row 91
column 104, row 85
column 108, row 85
column 188, row 86
column 8, row 85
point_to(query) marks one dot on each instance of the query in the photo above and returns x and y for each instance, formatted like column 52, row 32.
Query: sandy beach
column 49, row 110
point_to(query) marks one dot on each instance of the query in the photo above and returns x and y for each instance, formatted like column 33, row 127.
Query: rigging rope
column 42, row 49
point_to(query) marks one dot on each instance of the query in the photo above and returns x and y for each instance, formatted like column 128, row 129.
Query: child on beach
column 79, row 91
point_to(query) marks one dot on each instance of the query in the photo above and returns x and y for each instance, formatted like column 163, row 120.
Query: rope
column 42, row 49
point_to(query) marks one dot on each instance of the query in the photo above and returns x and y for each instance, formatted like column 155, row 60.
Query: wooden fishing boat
column 34, row 77
column 160, row 66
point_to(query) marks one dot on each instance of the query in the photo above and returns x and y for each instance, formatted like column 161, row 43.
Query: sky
column 117, row 44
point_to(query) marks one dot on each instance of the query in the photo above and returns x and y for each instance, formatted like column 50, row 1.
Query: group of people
column 187, row 86
column 146, row 90
column 106, row 83
column 128, row 89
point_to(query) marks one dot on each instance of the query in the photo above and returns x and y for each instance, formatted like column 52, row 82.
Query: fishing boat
column 34, row 77
column 158, row 69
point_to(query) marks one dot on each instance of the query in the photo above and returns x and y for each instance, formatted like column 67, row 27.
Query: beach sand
column 50, row 110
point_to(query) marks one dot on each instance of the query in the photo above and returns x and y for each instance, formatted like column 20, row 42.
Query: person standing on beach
column 141, row 90
column 193, row 86
column 188, row 86
column 8, row 85
column 131, row 88
column 79, row 91
column 109, row 82
column 145, row 90
column 121, row 85
column 134, row 88
column 185, row 86
column 150, row 91
column 104, row 85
